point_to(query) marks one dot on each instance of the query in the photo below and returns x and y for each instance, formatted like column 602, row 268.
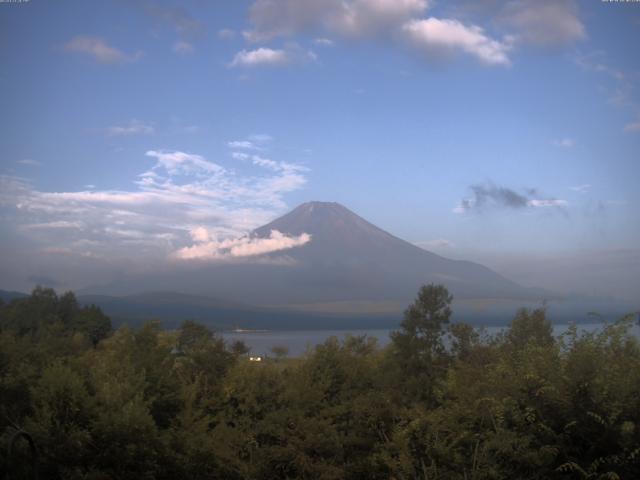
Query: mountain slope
column 7, row 296
column 347, row 250
column 347, row 259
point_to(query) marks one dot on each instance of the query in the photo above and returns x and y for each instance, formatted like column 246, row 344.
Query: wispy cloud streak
column 179, row 192
column 99, row 50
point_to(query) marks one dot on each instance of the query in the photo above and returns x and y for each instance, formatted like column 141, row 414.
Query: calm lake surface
column 298, row 341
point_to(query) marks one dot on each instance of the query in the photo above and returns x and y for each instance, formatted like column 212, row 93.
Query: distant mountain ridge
column 347, row 259
column 172, row 308
column 7, row 295
column 351, row 275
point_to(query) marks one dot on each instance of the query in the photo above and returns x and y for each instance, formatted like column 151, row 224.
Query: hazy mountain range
column 350, row 273
column 346, row 259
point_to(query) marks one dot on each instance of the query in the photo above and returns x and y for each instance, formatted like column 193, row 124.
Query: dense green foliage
column 442, row 401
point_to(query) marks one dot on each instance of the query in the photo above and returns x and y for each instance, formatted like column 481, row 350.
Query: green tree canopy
column 530, row 327
column 418, row 346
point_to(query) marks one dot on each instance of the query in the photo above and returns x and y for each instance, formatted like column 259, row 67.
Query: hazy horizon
column 139, row 137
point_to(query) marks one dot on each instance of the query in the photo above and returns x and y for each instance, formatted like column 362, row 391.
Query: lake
column 298, row 341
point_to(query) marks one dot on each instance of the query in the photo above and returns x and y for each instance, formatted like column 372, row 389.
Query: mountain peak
column 319, row 206
column 347, row 258
column 348, row 253
column 321, row 219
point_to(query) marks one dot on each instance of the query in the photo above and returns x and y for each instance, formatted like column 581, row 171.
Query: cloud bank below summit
column 208, row 249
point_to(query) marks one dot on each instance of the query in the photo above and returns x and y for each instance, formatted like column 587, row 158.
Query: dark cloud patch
column 492, row 194
column 488, row 195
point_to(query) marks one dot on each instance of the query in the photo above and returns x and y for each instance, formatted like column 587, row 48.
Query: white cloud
column 177, row 162
column 177, row 18
column 469, row 204
column 256, row 141
column 293, row 177
column 133, row 127
column 620, row 87
column 260, row 138
column 564, row 142
column 226, row 34
column 260, row 57
column 267, row 57
column 277, row 166
column 438, row 243
column 462, row 207
column 170, row 201
column 324, row 42
column 632, row 127
column 182, row 47
column 245, row 246
column 191, row 129
column 50, row 201
column 547, row 23
column 274, row 18
column 240, row 156
column 538, row 22
column 594, row 62
column 547, row 203
column 621, row 84
column 56, row 250
column 364, row 17
column 392, row 19
column 29, row 162
column 438, row 38
column 243, row 144
column 99, row 50
column 200, row 234
column 581, row 188
column 56, row 224
column 266, row 163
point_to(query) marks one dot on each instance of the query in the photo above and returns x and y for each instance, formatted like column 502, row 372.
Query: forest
column 80, row 400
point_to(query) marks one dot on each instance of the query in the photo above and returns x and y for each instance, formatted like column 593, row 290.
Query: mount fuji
column 348, row 263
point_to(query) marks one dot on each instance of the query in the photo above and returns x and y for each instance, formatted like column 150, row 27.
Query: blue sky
column 502, row 132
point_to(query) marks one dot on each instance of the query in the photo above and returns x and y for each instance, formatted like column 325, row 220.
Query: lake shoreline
column 299, row 340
